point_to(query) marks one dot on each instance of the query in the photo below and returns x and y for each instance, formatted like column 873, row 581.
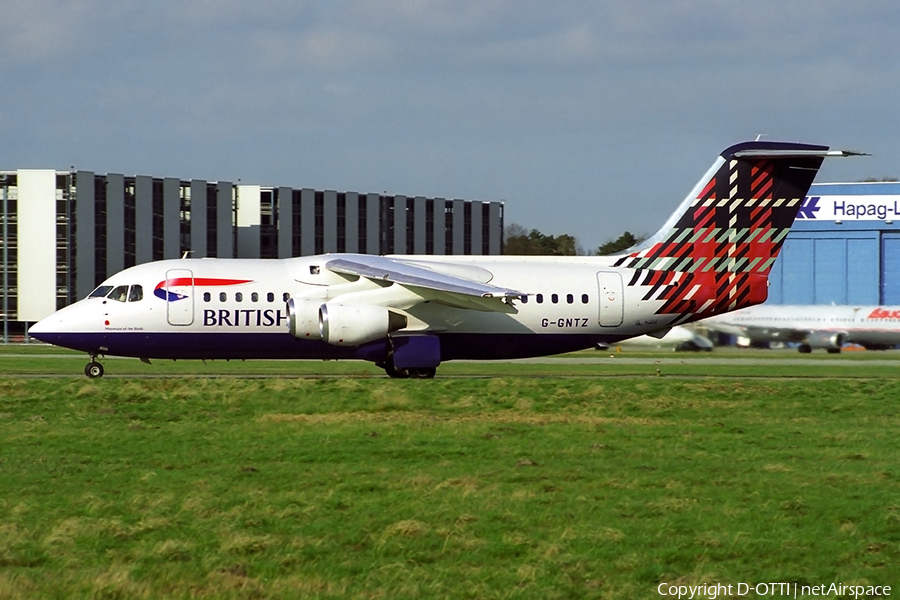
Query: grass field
column 566, row 485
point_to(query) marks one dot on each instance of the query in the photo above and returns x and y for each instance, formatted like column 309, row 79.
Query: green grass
column 508, row 487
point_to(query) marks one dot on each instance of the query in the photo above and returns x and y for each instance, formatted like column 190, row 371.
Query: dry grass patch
column 245, row 543
column 406, row 528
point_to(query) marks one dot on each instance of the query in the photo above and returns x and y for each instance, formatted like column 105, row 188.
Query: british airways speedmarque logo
column 810, row 208
column 161, row 289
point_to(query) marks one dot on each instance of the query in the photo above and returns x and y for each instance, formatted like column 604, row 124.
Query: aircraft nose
column 42, row 329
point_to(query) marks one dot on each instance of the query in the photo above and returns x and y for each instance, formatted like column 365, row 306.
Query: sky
column 587, row 118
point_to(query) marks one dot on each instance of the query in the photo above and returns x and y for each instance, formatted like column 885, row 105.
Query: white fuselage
column 870, row 326
column 236, row 308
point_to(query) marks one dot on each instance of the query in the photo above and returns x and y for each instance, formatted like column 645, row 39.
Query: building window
column 467, row 228
column 448, row 227
column 342, row 222
column 212, row 221
column 485, row 228
column 296, row 223
column 320, row 222
column 386, row 224
column 130, row 225
column 268, row 229
column 361, row 224
column 410, row 225
column 158, row 208
column 429, row 226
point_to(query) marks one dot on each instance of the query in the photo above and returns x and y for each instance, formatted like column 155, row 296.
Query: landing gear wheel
column 392, row 371
column 396, row 373
column 93, row 369
column 422, row 373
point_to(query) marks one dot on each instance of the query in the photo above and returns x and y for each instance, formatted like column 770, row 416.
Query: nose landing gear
column 93, row 369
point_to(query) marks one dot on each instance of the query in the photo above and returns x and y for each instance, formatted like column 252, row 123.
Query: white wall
column 36, row 259
column 248, row 221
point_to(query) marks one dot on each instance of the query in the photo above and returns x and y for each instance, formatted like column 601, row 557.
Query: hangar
column 844, row 247
column 64, row 232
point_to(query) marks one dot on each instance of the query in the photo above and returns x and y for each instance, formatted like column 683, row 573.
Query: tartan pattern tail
column 718, row 254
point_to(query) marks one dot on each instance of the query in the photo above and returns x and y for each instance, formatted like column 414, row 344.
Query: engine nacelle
column 356, row 324
column 831, row 341
column 303, row 318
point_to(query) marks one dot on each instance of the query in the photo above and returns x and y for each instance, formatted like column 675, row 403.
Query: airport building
column 64, row 232
column 844, row 247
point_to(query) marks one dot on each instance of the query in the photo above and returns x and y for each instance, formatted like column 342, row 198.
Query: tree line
column 518, row 241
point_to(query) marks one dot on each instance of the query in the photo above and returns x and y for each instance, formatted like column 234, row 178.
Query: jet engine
column 303, row 318
column 831, row 341
column 356, row 324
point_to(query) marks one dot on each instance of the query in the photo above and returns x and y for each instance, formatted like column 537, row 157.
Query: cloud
column 516, row 99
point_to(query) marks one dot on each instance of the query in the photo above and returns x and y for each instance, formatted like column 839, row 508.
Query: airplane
column 410, row 313
column 678, row 338
column 813, row 326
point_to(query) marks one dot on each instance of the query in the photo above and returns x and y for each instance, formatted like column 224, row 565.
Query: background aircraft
column 409, row 313
column 678, row 338
column 813, row 326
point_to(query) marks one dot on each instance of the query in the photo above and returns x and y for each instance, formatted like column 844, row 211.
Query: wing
column 429, row 282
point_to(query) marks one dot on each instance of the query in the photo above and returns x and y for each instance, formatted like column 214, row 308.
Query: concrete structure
column 844, row 247
column 65, row 232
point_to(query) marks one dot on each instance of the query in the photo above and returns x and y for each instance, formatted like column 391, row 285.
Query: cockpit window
column 136, row 294
column 119, row 294
column 100, row 292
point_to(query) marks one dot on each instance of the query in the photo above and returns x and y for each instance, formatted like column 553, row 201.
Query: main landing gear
column 395, row 373
column 93, row 369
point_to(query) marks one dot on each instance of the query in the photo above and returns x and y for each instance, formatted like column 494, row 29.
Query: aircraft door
column 612, row 304
column 179, row 288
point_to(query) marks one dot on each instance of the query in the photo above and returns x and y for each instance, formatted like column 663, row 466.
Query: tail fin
column 715, row 252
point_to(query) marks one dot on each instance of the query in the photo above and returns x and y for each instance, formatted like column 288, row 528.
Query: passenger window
column 584, row 298
column 238, row 297
column 207, row 296
column 270, row 297
column 136, row 294
column 285, row 297
column 539, row 298
column 524, row 299
column 120, row 294
column 570, row 298
column 100, row 292
column 254, row 297
column 554, row 298
column 222, row 297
